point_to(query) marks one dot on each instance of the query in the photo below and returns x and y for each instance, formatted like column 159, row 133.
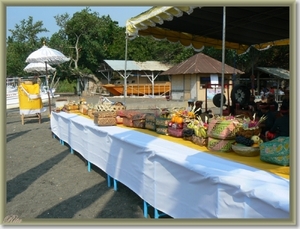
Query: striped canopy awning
column 195, row 26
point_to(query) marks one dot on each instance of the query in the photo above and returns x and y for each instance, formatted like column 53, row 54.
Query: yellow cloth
column 282, row 171
column 25, row 103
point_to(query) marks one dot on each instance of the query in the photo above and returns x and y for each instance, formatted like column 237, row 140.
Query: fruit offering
column 254, row 141
column 199, row 127
column 244, row 141
column 248, row 124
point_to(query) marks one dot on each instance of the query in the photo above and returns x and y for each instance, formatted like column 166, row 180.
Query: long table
column 177, row 180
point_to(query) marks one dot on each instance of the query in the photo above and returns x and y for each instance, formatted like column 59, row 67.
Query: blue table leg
column 115, row 185
column 108, row 181
column 157, row 214
column 72, row 151
column 146, row 205
column 89, row 166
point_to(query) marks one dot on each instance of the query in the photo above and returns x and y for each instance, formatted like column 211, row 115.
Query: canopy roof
column 276, row 72
column 201, row 63
column 118, row 65
column 202, row 26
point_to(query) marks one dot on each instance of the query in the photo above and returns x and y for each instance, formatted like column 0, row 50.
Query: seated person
column 264, row 110
column 286, row 98
column 252, row 104
column 281, row 126
column 206, row 115
column 272, row 103
column 263, row 99
column 198, row 108
column 190, row 105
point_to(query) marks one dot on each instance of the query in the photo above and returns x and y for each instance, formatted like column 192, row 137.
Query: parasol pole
column 125, row 70
column 48, row 89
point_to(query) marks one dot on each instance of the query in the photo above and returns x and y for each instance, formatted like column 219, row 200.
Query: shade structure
column 47, row 56
column 200, row 64
column 196, row 26
column 38, row 67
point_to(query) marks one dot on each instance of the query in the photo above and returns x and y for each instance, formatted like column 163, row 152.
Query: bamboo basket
column 108, row 121
column 200, row 141
column 248, row 133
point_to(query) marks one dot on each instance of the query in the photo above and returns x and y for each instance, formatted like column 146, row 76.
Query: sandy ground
column 45, row 181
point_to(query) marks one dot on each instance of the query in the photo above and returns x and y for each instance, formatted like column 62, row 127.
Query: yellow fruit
column 202, row 132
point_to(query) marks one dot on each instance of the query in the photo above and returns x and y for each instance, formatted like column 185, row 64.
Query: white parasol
column 48, row 56
column 38, row 67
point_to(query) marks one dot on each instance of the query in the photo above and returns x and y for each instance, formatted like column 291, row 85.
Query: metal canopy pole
column 223, row 60
column 125, row 70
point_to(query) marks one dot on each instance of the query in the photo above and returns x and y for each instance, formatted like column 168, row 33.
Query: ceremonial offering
column 105, row 114
column 247, row 127
column 199, row 140
column 246, row 151
column 220, row 144
column 71, row 107
column 150, row 121
column 109, row 121
column 138, row 120
column 119, row 120
column 223, row 127
column 175, row 132
column 276, row 151
column 91, row 113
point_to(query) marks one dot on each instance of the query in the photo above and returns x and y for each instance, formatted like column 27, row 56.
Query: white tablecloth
column 180, row 181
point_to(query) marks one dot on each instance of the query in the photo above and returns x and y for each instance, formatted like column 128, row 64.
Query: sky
column 15, row 14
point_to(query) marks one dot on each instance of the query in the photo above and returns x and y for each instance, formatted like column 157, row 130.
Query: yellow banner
column 25, row 102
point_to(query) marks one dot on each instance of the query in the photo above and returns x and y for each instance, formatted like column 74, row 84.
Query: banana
column 196, row 131
column 202, row 132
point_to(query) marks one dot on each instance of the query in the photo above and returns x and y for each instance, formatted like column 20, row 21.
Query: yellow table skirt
column 282, row 171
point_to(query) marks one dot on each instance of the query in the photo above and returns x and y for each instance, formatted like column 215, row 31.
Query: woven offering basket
column 91, row 113
column 188, row 138
column 222, row 129
column 199, row 140
column 105, row 114
column 246, row 151
column 109, row 121
column 248, row 133
column 118, row 106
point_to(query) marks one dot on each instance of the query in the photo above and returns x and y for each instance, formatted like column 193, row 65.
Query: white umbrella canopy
column 38, row 67
column 46, row 54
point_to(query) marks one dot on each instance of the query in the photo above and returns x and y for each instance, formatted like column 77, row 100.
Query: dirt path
column 44, row 180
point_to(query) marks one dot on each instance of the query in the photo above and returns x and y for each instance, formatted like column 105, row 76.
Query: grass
column 66, row 86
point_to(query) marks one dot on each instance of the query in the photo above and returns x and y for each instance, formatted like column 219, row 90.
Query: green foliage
column 147, row 48
column 66, row 86
column 21, row 43
column 90, row 42
column 89, row 38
